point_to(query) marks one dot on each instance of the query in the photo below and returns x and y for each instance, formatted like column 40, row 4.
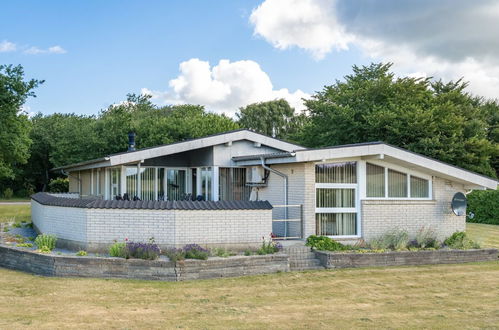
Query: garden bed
column 354, row 259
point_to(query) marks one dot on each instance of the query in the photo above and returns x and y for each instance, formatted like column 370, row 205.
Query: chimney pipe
column 131, row 141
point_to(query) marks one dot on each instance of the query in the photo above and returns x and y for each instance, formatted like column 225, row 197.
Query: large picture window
column 336, row 199
column 383, row 182
column 397, row 184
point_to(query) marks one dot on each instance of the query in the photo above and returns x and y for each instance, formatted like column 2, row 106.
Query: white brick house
column 346, row 192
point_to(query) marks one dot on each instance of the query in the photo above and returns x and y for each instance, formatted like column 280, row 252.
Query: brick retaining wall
column 404, row 258
column 72, row 266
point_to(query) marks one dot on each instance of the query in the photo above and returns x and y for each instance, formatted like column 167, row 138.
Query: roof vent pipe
column 131, row 141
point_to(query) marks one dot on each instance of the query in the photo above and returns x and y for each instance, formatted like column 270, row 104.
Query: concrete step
column 308, row 268
column 301, row 256
column 296, row 249
column 304, row 263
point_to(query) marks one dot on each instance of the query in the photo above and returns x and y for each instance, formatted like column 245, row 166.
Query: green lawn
column 486, row 235
column 12, row 212
column 437, row 296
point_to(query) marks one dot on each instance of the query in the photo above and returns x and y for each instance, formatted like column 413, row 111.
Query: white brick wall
column 64, row 222
column 99, row 227
column 380, row 216
column 222, row 227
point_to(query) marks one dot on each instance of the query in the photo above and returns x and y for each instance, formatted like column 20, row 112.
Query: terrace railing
column 287, row 221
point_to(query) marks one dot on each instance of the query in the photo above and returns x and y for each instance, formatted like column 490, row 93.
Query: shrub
column 146, row 251
column 28, row 245
column 427, row 238
column 396, row 239
column 81, row 253
column 460, row 240
column 194, row 251
column 8, row 193
column 59, row 185
column 248, row 252
column 222, row 252
column 118, row 250
column 324, row 243
column 484, row 205
column 269, row 247
column 16, row 225
column 44, row 242
column 175, row 254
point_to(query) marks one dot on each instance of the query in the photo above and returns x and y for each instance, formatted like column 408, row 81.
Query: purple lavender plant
column 147, row 251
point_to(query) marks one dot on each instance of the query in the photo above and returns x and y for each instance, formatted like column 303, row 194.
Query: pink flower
column 126, row 239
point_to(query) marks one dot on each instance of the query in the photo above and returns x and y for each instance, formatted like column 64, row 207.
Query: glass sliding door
column 336, row 199
column 176, row 184
column 147, row 177
column 114, row 182
column 161, row 184
column 206, row 186
column 131, row 182
column 232, row 184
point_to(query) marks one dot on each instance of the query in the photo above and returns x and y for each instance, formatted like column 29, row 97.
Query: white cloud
column 224, row 87
column 307, row 24
column 448, row 39
column 51, row 50
column 7, row 46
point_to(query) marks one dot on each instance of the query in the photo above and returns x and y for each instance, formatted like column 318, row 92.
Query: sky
column 226, row 54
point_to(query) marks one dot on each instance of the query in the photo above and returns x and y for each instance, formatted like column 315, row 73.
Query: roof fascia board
column 438, row 168
column 201, row 143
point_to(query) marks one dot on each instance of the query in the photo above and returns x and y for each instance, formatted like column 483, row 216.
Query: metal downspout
column 285, row 177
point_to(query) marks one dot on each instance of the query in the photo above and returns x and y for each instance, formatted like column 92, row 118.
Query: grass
column 438, row 296
column 15, row 199
column 486, row 235
column 442, row 296
column 18, row 213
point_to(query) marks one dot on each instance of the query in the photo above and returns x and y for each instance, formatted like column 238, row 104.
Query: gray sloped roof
column 50, row 200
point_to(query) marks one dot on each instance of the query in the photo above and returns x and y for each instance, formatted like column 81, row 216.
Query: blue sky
column 106, row 49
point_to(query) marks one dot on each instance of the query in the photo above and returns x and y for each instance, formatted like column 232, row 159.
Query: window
column 115, row 182
column 147, row 191
column 419, row 188
column 335, row 199
column 397, row 184
column 131, row 181
column 336, row 224
column 232, row 184
column 375, row 181
column 336, row 173
column 385, row 182
column 175, row 181
column 161, row 184
column 206, row 176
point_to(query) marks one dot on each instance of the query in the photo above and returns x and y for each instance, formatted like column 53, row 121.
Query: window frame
column 356, row 186
column 409, row 173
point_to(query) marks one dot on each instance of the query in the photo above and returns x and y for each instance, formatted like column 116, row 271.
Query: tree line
column 435, row 118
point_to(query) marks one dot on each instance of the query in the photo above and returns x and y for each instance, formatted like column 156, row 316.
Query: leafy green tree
column 435, row 119
column 14, row 123
column 274, row 118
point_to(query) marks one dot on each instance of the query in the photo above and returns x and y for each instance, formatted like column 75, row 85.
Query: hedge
column 484, row 204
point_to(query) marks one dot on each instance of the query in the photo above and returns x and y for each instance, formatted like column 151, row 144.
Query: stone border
column 73, row 266
column 403, row 258
column 94, row 267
